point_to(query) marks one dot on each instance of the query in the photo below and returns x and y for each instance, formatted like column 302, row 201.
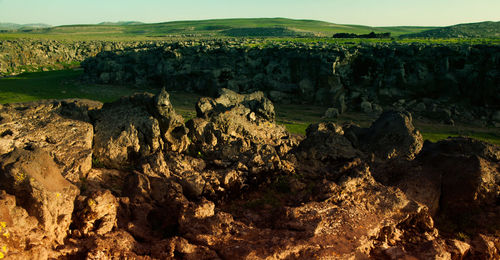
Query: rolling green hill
column 239, row 27
column 467, row 30
column 15, row 26
column 219, row 27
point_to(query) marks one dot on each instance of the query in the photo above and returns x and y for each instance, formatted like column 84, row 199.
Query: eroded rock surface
column 61, row 127
column 231, row 184
column 133, row 128
column 391, row 136
column 35, row 179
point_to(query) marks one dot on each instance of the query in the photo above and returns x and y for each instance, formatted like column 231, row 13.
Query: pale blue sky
column 365, row 12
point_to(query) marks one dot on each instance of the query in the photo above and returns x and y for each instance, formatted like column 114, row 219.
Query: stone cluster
column 131, row 179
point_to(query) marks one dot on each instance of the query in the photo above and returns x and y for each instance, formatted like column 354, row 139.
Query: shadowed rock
column 236, row 185
column 391, row 136
column 236, row 127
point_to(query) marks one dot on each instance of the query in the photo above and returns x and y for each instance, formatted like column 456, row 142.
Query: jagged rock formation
column 429, row 80
column 62, row 128
column 133, row 128
column 22, row 55
column 231, row 184
column 392, row 135
column 443, row 82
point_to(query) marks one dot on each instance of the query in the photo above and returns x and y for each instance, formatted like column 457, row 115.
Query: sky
column 362, row 12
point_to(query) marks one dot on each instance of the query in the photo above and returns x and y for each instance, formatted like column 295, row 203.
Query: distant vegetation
column 469, row 30
column 250, row 27
column 264, row 32
column 121, row 23
column 371, row 35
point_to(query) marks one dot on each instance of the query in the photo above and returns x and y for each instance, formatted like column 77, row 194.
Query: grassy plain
column 66, row 84
column 203, row 28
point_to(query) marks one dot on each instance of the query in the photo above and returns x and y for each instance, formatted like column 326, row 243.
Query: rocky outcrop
column 134, row 128
column 233, row 125
column 232, row 184
column 61, row 127
column 425, row 79
column 22, row 236
column 35, row 179
column 237, row 136
column 23, row 55
column 96, row 214
column 391, row 136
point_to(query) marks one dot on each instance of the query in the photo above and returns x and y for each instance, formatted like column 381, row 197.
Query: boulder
column 60, row 127
column 391, row 136
column 325, row 143
column 377, row 109
column 496, row 116
column 307, row 89
column 35, row 179
column 234, row 127
column 21, row 235
column 366, row 107
column 469, row 173
column 133, row 128
column 279, row 97
column 256, row 102
column 96, row 214
column 457, row 179
column 331, row 113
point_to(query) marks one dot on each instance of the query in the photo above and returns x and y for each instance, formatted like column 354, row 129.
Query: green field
column 66, row 84
column 203, row 28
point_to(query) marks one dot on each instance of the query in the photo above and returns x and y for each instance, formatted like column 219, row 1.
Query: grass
column 215, row 27
column 296, row 118
column 490, row 134
column 56, row 85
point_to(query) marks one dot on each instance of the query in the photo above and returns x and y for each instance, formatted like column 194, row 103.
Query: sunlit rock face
column 231, row 183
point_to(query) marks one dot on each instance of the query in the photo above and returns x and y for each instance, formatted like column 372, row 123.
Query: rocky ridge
column 132, row 179
column 442, row 82
column 23, row 55
column 446, row 83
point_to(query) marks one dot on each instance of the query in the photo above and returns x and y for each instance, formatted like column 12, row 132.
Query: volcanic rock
column 60, row 127
column 35, row 179
column 133, row 128
column 391, row 136
column 96, row 214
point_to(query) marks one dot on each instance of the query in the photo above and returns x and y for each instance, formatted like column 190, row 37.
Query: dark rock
column 391, row 136
column 325, row 143
column 469, row 173
column 366, row 107
column 331, row 113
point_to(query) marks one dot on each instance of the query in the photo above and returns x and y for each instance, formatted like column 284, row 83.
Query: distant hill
column 121, row 23
column 247, row 27
column 227, row 27
column 467, row 30
column 14, row 26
